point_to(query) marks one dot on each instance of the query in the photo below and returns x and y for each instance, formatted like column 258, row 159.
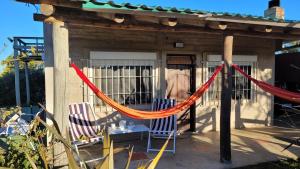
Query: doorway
column 181, row 84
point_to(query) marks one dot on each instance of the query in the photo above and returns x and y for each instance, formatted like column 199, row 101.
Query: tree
column 7, row 81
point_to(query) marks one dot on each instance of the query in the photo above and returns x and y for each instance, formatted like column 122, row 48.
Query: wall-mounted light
column 178, row 45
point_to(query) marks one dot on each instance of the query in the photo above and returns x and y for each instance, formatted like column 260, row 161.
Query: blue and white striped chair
column 162, row 128
column 84, row 131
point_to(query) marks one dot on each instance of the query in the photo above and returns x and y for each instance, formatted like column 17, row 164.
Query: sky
column 17, row 18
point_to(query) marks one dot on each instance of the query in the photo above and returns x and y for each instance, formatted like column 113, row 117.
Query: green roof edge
column 101, row 4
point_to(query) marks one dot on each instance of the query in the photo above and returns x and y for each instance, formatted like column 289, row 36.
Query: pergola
column 83, row 15
column 32, row 48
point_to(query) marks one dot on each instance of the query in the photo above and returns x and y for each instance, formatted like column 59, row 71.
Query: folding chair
column 161, row 128
column 84, row 130
column 19, row 123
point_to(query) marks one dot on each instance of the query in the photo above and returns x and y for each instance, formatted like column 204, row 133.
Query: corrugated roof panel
column 101, row 4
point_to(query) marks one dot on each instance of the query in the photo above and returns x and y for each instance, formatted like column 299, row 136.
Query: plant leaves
column 106, row 150
column 71, row 160
column 43, row 155
column 129, row 158
column 30, row 160
column 120, row 149
column 70, row 155
column 111, row 156
column 55, row 132
column 154, row 162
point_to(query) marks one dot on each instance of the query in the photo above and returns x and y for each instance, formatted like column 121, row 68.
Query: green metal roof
column 101, row 4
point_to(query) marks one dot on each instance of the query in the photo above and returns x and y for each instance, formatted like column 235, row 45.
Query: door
column 181, row 85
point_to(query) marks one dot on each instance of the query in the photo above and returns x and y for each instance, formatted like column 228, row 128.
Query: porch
column 249, row 146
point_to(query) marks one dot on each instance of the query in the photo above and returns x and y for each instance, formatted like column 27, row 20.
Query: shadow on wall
column 207, row 120
column 258, row 107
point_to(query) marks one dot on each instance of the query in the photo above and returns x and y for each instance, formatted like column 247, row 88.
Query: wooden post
column 27, row 84
column 56, row 74
column 225, row 136
column 49, row 75
column 17, row 74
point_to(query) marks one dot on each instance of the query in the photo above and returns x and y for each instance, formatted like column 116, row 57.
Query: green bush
column 37, row 87
column 15, row 157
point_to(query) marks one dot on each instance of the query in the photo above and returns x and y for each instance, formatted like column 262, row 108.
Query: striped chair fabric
column 81, row 126
column 83, row 130
column 163, row 126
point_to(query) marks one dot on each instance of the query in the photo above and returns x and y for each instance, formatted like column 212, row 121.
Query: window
column 126, row 84
column 241, row 86
column 126, row 77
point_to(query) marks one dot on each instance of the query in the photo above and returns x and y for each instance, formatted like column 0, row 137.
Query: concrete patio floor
column 201, row 151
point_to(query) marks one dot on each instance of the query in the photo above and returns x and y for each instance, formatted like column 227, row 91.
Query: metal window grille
column 241, row 86
column 128, row 83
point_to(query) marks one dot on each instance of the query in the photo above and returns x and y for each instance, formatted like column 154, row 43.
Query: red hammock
column 276, row 91
column 140, row 114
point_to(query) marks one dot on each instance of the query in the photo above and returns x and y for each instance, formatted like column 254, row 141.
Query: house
column 135, row 53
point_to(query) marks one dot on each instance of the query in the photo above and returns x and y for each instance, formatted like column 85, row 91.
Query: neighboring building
column 288, row 64
column 287, row 71
column 137, row 53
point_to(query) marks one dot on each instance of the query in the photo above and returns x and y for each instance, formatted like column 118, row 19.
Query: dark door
column 181, row 85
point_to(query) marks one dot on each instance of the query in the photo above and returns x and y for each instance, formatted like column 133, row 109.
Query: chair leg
column 174, row 143
column 77, row 152
column 149, row 142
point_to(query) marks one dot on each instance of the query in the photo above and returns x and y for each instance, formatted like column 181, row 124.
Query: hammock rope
column 276, row 91
column 140, row 114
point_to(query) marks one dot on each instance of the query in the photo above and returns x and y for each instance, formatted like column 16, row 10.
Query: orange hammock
column 276, row 91
column 140, row 114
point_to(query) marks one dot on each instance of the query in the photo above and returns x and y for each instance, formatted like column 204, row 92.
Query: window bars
column 242, row 88
column 128, row 82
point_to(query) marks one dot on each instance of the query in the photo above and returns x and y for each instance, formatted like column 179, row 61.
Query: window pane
column 241, row 86
column 125, row 84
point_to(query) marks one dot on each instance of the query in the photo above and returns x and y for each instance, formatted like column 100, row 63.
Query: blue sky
column 16, row 18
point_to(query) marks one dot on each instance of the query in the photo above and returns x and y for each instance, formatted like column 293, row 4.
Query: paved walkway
column 197, row 151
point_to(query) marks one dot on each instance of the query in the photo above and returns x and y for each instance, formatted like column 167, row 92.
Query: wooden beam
column 268, row 29
column 207, row 17
column 148, row 19
column 47, row 9
column 222, row 26
column 147, row 13
column 27, row 83
column 218, row 25
column 17, row 74
column 200, row 17
column 169, row 21
column 254, row 22
column 63, row 3
column 225, row 136
column 118, row 18
column 91, row 21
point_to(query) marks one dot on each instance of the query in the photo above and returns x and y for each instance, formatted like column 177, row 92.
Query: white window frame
column 241, row 60
column 103, row 58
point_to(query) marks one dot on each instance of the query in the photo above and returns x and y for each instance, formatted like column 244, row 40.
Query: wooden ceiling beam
column 47, row 9
column 87, row 20
column 268, row 29
column 169, row 21
column 118, row 18
column 254, row 22
column 218, row 25
column 62, row 3
column 200, row 17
